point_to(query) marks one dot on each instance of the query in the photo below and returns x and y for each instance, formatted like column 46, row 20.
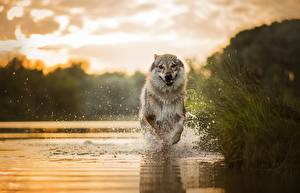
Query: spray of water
column 188, row 146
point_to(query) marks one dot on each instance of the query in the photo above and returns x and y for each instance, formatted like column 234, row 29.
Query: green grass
column 252, row 128
column 250, row 103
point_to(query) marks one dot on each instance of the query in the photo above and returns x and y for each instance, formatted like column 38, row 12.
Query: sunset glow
column 124, row 35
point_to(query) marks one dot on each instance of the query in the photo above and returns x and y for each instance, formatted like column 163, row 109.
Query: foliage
column 253, row 96
column 66, row 94
column 199, row 115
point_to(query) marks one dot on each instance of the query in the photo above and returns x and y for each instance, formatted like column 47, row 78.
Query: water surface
column 121, row 162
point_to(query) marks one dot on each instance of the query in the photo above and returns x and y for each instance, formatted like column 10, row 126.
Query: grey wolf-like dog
column 162, row 111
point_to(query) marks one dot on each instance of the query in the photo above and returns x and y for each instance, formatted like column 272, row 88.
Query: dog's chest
column 166, row 110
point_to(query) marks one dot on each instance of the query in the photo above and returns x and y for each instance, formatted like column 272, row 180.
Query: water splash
column 77, row 148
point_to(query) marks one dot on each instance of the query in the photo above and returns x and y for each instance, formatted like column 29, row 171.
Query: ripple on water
column 99, row 165
column 115, row 165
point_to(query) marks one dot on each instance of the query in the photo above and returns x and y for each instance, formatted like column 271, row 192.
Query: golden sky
column 124, row 34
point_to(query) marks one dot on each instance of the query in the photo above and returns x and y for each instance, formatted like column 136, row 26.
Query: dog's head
column 168, row 68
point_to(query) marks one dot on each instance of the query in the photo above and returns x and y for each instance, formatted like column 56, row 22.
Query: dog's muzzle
column 169, row 80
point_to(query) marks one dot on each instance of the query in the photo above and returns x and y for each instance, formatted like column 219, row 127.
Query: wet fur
column 162, row 111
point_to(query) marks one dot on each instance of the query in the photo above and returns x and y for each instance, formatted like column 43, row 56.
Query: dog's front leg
column 178, row 128
column 156, row 128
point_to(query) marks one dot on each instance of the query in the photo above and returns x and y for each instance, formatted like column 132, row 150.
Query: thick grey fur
column 162, row 111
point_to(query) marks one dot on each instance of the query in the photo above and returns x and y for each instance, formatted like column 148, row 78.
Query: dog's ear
column 179, row 63
column 152, row 66
column 154, row 63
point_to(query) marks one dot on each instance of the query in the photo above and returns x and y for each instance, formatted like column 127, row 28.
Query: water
column 115, row 164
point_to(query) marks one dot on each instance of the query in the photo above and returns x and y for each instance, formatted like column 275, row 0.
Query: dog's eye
column 161, row 67
column 173, row 66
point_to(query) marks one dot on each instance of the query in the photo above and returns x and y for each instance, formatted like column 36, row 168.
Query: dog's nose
column 168, row 77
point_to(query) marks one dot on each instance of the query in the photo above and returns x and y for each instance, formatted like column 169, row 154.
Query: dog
column 162, row 111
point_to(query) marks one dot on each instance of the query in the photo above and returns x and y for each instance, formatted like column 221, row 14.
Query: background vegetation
column 249, row 105
column 66, row 94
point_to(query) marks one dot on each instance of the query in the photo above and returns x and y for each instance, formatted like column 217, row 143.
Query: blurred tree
column 266, row 56
column 66, row 93
column 252, row 97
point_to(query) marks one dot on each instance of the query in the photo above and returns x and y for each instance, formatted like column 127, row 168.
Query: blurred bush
column 66, row 93
column 250, row 100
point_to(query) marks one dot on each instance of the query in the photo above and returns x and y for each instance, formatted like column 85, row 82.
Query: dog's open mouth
column 169, row 83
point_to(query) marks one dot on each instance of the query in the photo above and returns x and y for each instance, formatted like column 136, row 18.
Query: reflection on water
column 160, row 173
column 127, row 165
column 95, row 165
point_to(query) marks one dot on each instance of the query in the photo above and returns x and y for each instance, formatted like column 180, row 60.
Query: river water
column 121, row 163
